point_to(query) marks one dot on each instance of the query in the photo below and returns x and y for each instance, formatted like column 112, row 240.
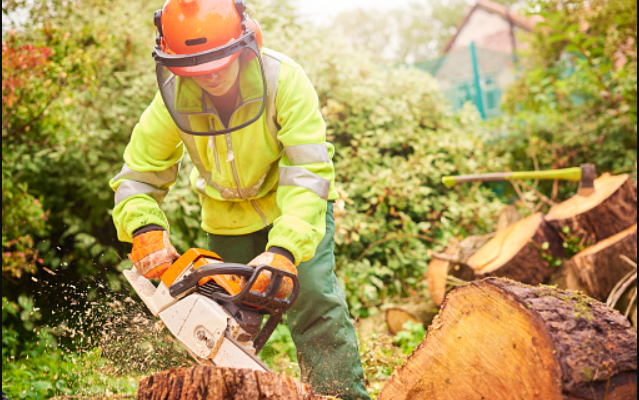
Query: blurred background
column 410, row 90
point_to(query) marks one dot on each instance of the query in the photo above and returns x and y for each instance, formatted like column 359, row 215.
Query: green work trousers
column 319, row 320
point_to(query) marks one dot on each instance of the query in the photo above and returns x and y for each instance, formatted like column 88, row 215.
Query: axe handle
column 569, row 174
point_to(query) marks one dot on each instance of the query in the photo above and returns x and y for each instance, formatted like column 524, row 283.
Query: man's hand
column 152, row 251
column 276, row 261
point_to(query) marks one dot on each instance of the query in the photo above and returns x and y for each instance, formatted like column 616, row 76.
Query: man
column 248, row 117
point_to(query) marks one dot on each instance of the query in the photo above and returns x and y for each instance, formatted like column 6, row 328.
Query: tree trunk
column 501, row 340
column 212, row 383
column 523, row 252
column 453, row 262
column 608, row 211
column 421, row 313
column 600, row 267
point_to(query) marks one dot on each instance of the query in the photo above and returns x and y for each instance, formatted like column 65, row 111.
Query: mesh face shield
column 194, row 109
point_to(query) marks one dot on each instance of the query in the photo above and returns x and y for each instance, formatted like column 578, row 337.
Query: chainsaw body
column 201, row 302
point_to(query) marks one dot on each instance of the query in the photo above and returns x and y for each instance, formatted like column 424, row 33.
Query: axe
column 585, row 175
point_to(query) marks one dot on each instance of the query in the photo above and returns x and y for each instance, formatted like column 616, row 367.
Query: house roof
column 526, row 23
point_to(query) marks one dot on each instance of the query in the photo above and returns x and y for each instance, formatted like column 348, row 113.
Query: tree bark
column 453, row 262
column 212, row 383
column 502, row 340
column 608, row 211
column 600, row 267
column 523, row 252
column 421, row 313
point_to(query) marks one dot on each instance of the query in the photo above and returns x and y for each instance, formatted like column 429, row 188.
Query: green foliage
column 22, row 218
column 395, row 139
column 35, row 367
column 280, row 354
column 576, row 99
column 573, row 244
column 408, row 339
column 380, row 357
column 75, row 82
column 545, row 253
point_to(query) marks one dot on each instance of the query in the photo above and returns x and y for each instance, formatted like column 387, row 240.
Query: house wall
column 488, row 30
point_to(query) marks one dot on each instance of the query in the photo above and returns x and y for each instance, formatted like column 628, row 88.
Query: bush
column 576, row 99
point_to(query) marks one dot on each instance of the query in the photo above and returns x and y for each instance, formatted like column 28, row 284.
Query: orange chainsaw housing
column 199, row 258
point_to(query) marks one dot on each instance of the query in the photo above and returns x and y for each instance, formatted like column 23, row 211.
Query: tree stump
column 419, row 313
column 601, row 266
column 212, row 383
column 453, row 262
column 523, row 252
column 608, row 211
column 502, row 340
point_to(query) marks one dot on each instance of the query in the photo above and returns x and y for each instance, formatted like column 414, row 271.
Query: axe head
column 587, row 183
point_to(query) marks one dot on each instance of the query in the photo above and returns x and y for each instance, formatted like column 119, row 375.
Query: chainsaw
column 202, row 302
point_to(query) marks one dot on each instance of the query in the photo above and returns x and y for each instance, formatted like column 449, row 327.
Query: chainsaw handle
column 191, row 280
column 266, row 300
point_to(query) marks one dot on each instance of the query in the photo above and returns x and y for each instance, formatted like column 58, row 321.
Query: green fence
column 476, row 75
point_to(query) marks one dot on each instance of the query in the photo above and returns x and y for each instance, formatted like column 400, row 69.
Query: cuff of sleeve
column 287, row 245
column 283, row 252
column 139, row 223
column 148, row 228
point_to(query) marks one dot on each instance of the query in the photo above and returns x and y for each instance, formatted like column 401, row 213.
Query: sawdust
column 130, row 339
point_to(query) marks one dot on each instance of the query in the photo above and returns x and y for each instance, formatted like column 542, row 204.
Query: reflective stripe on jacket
column 276, row 171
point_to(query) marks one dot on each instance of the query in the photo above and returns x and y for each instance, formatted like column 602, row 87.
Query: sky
column 321, row 11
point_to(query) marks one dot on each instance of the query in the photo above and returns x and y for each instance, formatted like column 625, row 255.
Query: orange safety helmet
column 198, row 37
column 195, row 27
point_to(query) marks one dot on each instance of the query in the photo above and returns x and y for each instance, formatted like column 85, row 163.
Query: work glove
column 276, row 260
column 152, row 252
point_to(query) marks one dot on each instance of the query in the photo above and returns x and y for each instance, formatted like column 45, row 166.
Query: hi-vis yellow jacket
column 276, row 171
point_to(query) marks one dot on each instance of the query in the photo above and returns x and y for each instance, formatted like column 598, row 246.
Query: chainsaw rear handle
column 267, row 300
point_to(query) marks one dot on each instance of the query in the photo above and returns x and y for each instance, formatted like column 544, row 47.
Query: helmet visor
column 199, row 106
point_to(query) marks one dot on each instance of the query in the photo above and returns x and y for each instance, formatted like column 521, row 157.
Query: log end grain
column 609, row 210
column 601, row 266
column 498, row 339
column 436, row 280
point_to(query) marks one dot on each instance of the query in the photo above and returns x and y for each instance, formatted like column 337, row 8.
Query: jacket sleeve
column 306, row 172
column 152, row 161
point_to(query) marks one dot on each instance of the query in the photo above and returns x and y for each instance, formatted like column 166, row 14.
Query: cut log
column 565, row 277
column 419, row 313
column 601, row 266
column 507, row 217
column 213, row 383
column 608, row 211
column 374, row 324
column 502, row 340
column 453, row 262
column 523, row 252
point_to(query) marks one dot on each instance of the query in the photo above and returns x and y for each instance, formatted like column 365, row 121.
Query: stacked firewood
column 533, row 250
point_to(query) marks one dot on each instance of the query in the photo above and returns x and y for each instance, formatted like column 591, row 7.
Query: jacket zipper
column 231, row 155
column 231, row 158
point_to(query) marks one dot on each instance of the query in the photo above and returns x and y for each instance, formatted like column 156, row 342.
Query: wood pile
column 502, row 340
column 532, row 250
